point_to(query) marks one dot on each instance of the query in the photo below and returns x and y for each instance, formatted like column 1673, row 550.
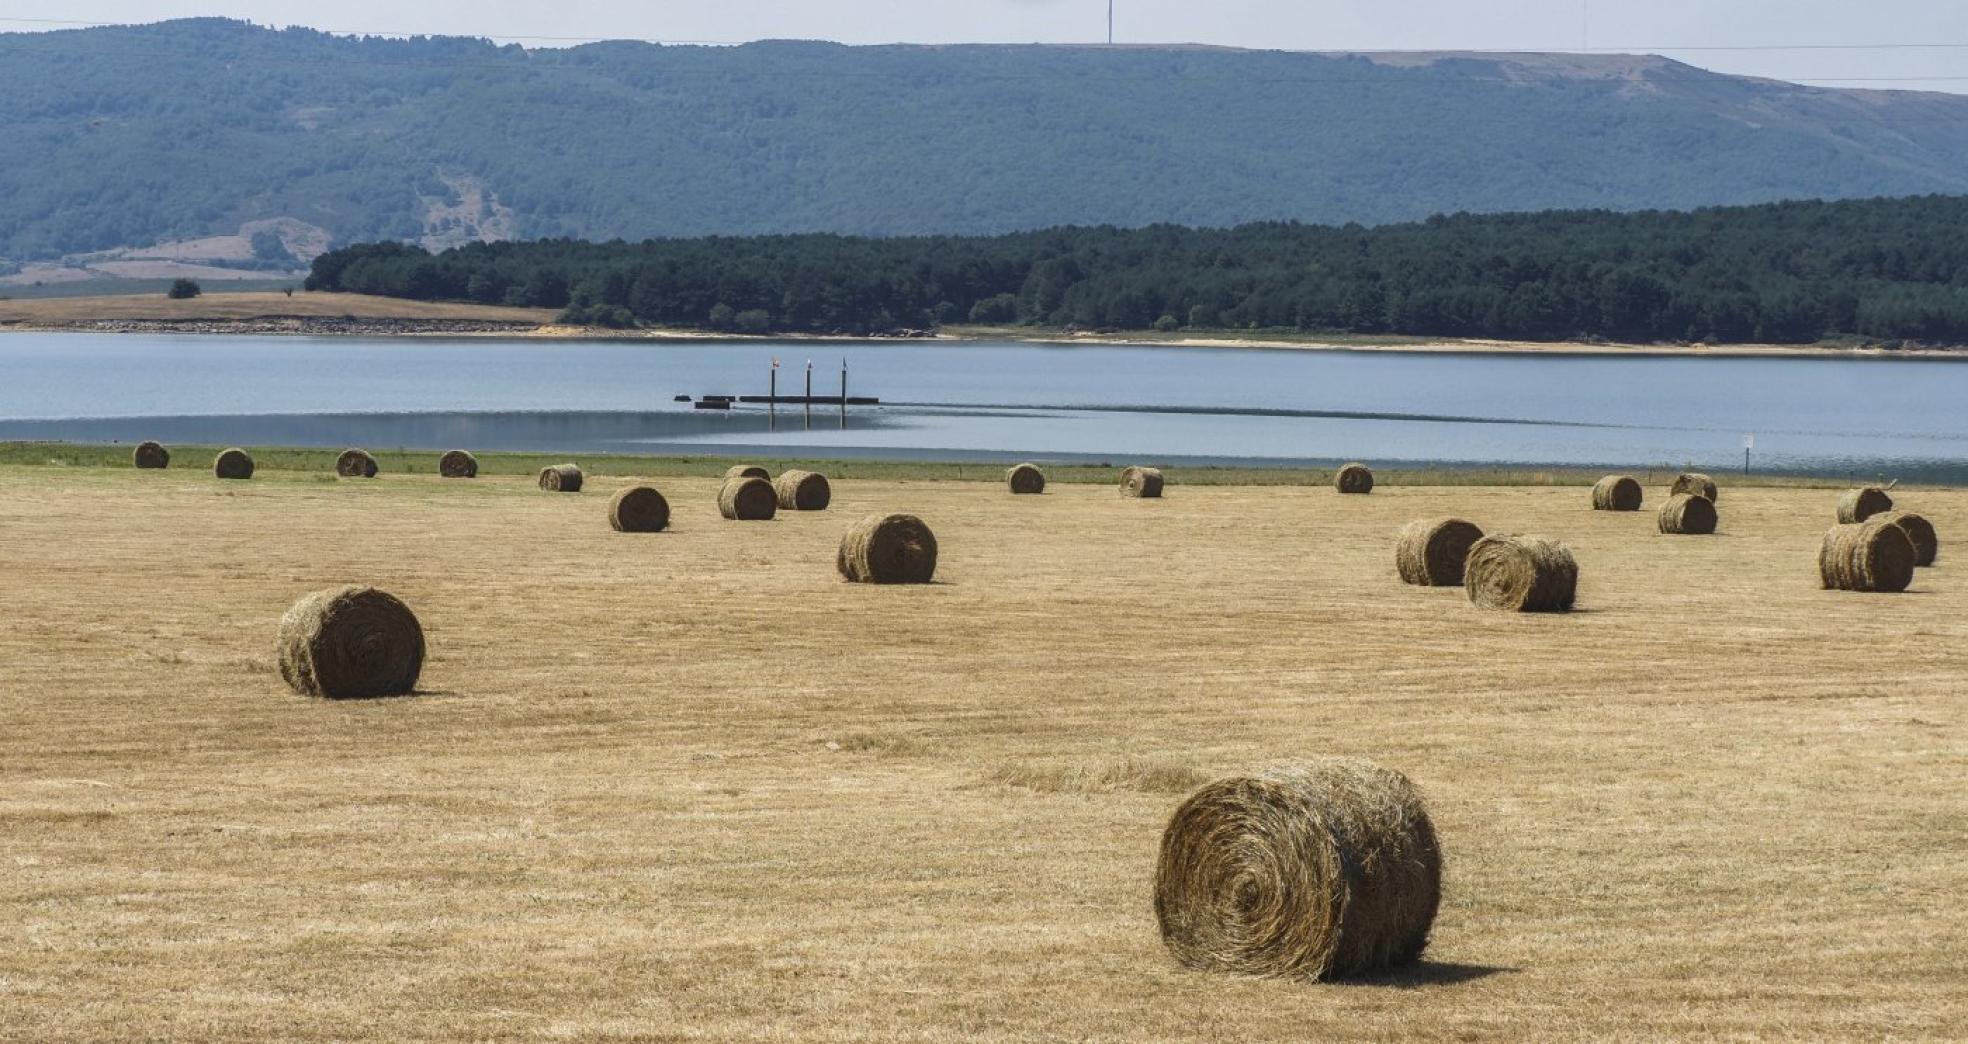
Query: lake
column 1835, row 415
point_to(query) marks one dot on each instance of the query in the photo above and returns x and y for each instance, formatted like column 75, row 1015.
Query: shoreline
column 412, row 328
column 194, row 459
column 345, row 315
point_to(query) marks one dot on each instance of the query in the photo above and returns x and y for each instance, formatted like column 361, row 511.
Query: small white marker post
column 1749, row 443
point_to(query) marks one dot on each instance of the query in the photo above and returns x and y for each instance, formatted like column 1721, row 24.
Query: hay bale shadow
column 1425, row 972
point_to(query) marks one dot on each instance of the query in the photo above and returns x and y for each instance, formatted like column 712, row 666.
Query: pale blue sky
column 1818, row 30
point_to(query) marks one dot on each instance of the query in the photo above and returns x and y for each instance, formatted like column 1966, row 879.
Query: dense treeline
column 131, row 135
column 1792, row 272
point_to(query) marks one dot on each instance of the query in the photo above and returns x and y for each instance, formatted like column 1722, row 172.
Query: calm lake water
column 1891, row 417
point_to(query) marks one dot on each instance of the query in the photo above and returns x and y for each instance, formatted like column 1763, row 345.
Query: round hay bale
column 1521, row 574
column 458, row 464
column 561, row 478
column 233, row 464
column 1323, row 870
column 355, row 463
column 1689, row 514
column 738, row 471
column 1431, row 552
column 1617, row 493
column 1857, row 505
column 748, row 500
column 1353, row 478
column 639, row 509
column 1025, row 479
column 1141, row 483
column 1874, row 555
column 803, row 491
column 351, row 643
column 151, row 456
column 1926, row 543
column 888, row 549
column 1694, row 482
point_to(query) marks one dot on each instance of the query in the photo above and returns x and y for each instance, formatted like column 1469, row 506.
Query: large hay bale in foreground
column 151, row 456
column 561, row 478
column 1316, row 871
column 1688, row 514
column 351, row 643
column 355, row 463
column 1617, row 493
column 748, row 500
column 233, row 464
column 1521, row 574
column 738, row 471
column 1926, row 543
column 1145, row 483
column 803, row 491
column 1694, row 482
column 1860, row 504
column 1353, row 478
column 639, row 509
column 1874, row 555
column 888, row 549
column 458, row 464
column 1025, row 479
column 1431, row 552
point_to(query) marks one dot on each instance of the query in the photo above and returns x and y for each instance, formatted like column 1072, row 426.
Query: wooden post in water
column 809, row 393
column 843, row 393
column 772, row 396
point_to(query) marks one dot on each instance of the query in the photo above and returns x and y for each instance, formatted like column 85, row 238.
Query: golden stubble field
column 692, row 786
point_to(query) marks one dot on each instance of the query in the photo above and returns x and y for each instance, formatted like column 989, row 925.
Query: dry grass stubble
column 601, row 820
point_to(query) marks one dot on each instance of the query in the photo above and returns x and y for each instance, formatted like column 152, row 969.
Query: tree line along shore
column 1884, row 273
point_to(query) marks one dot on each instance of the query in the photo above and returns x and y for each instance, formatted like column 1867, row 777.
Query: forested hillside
column 132, row 136
column 1794, row 272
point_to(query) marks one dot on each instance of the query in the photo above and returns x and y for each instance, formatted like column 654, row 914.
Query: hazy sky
column 1928, row 38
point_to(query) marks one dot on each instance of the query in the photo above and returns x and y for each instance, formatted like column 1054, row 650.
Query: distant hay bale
column 639, row 509
column 1143, row 483
column 1926, row 543
column 355, row 463
column 1617, row 493
column 748, row 500
column 561, row 478
column 1857, row 505
column 458, row 464
column 1323, row 870
column 1353, row 478
column 151, row 456
column 351, row 643
column 1521, row 574
column 1874, row 555
column 1431, row 552
column 1694, row 482
column 1688, row 514
column 1025, row 479
column 233, row 464
column 888, row 549
column 803, row 491
column 737, row 471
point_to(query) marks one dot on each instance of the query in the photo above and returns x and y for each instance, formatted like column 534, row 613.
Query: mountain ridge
column 182, row 131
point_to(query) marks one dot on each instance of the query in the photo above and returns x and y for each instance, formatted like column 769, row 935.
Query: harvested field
column 599, row 820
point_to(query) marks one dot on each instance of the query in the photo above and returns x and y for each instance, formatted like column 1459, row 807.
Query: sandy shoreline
column 330, row 315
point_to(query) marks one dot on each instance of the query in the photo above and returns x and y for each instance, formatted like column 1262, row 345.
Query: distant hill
column 255, row 149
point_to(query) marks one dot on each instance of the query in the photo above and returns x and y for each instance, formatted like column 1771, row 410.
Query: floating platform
column 816, row 400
